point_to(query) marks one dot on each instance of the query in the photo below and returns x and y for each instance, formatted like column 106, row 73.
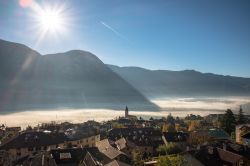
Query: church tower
column 126, row 112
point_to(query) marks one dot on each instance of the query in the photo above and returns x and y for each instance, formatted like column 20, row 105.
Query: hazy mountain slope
column 72, row 79
column 160, row 83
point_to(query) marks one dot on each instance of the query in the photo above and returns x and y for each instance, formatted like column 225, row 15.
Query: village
column 215, row 139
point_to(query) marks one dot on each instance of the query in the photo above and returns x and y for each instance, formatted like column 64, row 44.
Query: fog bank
column 176, row 106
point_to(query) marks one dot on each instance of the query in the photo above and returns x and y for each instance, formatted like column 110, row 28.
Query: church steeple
column 126, row 112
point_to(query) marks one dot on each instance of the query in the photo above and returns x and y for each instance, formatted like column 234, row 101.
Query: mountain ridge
column 185, row 70
column 75, row 79
column 164, row 83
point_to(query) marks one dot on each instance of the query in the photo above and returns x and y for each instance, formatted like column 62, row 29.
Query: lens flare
column 25, row 3
column 51, row 20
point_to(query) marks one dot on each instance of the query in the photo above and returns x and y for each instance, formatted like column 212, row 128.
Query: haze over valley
column 77, row 82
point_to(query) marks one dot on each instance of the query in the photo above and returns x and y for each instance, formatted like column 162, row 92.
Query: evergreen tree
column 177, row 120
column 228, row 122
column 241, row 117
column 170, row 119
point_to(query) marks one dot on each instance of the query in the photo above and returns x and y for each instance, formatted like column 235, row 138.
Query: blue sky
column 204, row 35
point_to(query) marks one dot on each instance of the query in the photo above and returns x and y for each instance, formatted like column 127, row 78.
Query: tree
column 233, row 136
column 241, row 117
column 162, row 150
column 163, row 161
column 228, row 122
column 170, row 148
column 164, row 119
column 177, row 127
column 117, row 125
column 193, row 117
column 137, row 158
column 168, row 128
column 194, row 125
column 180, row 127
column 28, row 128
column 178, row 160
column 217, row 123
column 177, row 119
column 170, row 119
column 175, row 160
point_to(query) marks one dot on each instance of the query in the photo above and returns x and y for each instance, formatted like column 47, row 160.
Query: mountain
column 164, row 83
column 75, row 79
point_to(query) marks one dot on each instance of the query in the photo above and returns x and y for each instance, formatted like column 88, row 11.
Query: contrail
column 113, row 30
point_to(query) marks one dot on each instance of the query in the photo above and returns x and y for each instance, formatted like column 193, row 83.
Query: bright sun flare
column 51, row 20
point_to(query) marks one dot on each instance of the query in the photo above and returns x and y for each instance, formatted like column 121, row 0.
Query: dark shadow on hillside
column 74, row 79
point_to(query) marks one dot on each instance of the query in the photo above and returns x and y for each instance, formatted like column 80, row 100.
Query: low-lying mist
column 176, row 106
column 211, row 103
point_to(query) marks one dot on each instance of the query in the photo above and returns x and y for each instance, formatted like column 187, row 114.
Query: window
column 30, row 149
column 65, row 155
column 241, row 162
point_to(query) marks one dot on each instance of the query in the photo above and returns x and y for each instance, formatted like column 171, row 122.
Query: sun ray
column 48, row 20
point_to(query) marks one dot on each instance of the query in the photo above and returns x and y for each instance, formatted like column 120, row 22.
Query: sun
column 48, row 20
column 51, row 20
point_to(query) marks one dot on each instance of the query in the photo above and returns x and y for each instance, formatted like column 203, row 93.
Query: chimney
column 210, row 150
column 245, row 147
column 224, row 146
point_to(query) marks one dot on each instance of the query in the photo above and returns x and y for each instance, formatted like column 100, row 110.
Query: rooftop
column 139, row 136
column 34, row 139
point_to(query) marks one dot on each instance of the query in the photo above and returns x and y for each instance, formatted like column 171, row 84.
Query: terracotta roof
column 228, row 156
column 117, row 163
column 105, row 147
column 216, row 156
column 76, row 155
column 121, row 143
column 82, row 132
